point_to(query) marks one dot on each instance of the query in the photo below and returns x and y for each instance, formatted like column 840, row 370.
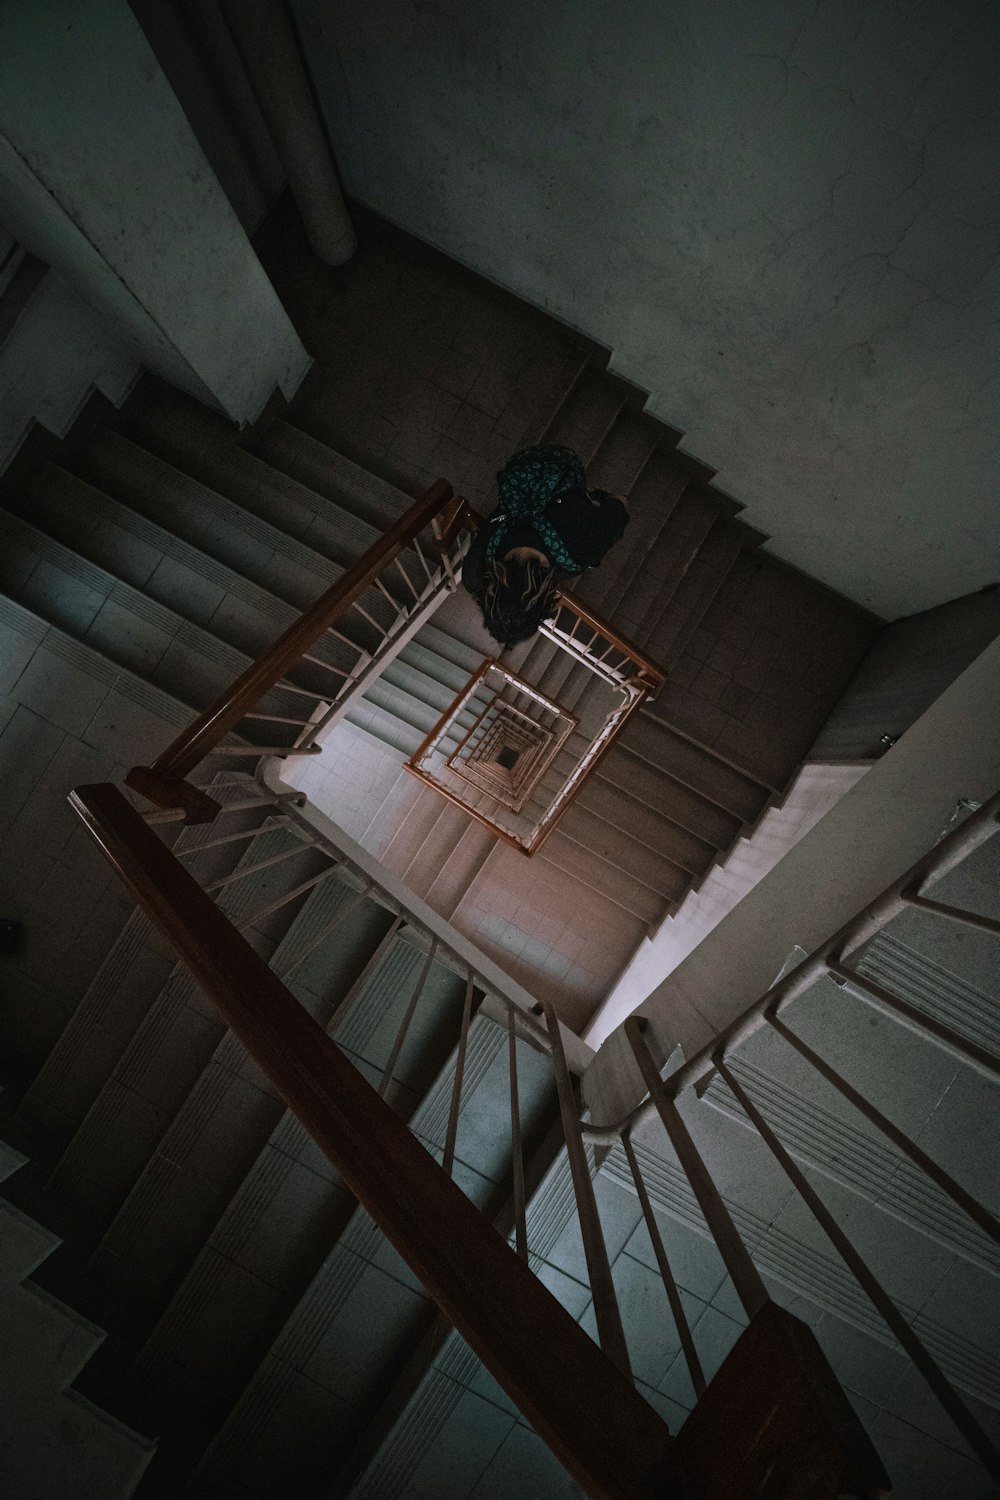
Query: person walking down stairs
column 547, row 527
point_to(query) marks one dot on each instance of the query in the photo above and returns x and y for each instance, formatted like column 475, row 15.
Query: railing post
column 608, row 1438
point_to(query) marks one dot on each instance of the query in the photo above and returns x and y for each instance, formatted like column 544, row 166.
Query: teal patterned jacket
column 529, row 481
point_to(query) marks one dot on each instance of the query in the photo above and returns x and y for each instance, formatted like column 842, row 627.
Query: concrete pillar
column 264, row 35
column 102, row 176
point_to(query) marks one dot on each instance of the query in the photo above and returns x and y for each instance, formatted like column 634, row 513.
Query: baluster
column 349, row 907
column 952, row 913
column 609, row 1323
column 397, row 606
column 283, row 900
column 230, row 838
column 448, row 1161
column 420, row 553
column 945, row 1392
column 666, row 1274
column 366, row 616
column 976, row 1211
column 404, row 1025
column 914, row 1019
column 517, row 1154
column 344, row 1004
column 746, row 1278
column 258, row 866
column 406, row 579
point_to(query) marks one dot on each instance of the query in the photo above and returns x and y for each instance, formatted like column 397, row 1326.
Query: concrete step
column 609, row 879
column 219, row 527
column 230, row 1113
column 652, row 786
column 616, row 806
column 460, row 868
column 56, row 1441
column 590, row 412
column 670, row 632
column 156, row 643
column 401, row 850
column 624, row 454
column 626, row 853
column 134, row 1102
column 652, row 500
column 197, row 440
column 304, row 458
column 695, row 765
column 437, row 847
column 363, row 1314
column 660, row 572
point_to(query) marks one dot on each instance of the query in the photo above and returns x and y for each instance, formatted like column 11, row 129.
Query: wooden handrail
column 604, row 1433
column 206, row 732
column 648, row 668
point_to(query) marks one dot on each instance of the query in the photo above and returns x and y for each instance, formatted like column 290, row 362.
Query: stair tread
column 617, row 847
column 668, row 797
column 613, row 883
column 615, row 805
column 697, row 767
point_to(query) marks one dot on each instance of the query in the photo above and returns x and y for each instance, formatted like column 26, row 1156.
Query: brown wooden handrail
column 648, row 668
column 206, row 732
column 605, row 1434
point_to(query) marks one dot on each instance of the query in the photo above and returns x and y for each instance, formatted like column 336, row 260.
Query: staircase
column 256, row 1318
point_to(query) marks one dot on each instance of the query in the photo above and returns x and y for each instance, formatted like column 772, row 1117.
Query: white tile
column 63, row 693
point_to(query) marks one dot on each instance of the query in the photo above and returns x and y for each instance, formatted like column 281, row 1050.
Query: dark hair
column 515, row 597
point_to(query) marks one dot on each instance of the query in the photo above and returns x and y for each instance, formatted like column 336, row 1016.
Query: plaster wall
column 102, row 176
column 781, row 217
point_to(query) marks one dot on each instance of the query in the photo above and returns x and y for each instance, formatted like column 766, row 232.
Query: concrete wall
column 910, row 664
column 102, row 177
column 57, row 353
column 780, row 216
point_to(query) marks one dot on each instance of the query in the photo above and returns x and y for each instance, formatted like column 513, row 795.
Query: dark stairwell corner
column 426, row 369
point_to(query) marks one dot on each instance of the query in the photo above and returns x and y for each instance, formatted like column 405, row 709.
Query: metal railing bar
column 378, row 957
column 243, row 871
column 349, row 907
column 406, row 578
column 903, row 1332
column 610, row 1332
column 317, row 661
column 397, row 604
column 879, row 998
column 448, row 1160
column 746, row 1278
column 277, row 719
column 420, row 553
column 953, row 913
column 276, row 905
column 404, row 1025
column 345, row 640
column 965, row 1201
column 517, row 1151
column 666, row 1274
column 291, row 687
column 366, row 616
column 229, row 838
column 279, row 751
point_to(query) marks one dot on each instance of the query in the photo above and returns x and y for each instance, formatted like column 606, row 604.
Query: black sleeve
column 589, row 531
column 474, row 565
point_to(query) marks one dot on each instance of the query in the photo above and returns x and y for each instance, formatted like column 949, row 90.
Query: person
column 547, row 527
